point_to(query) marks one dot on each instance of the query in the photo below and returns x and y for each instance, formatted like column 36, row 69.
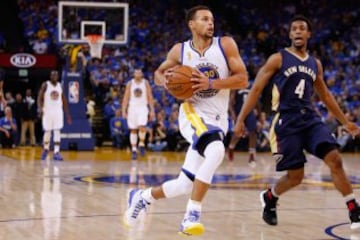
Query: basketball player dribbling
column 137, row 108
column 296, row 126
column 203, row 118
column 51, row 102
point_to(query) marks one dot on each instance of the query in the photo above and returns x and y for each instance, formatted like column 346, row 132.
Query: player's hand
column 168, row 73
column 201, row 82
column 240, row 129
column 69, row 120
column 124, row 115
column 152, row 116
column 352, row 128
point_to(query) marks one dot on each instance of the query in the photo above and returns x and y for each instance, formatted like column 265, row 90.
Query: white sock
column 146, row 195
column 193, row 205
column 349, row 197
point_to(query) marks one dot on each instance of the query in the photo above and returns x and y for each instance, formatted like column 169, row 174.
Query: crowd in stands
column 259, row 31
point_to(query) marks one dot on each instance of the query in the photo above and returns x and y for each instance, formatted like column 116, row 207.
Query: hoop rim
column 94, row 38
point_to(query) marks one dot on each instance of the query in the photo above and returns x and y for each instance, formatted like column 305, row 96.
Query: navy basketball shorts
column 288, row 142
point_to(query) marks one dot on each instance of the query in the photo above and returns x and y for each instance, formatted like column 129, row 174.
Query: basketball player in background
column 203, row 118
column 51, row 102
column 2, row 79
column 237, row 99
column 137, row 108
column 296, row 126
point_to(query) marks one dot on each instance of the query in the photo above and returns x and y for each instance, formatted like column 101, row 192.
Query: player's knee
column 217, row 149
column 295, row 177
column 179, row 186
column 333, row 160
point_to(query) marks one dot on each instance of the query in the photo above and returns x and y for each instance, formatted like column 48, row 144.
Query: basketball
column 179, row 84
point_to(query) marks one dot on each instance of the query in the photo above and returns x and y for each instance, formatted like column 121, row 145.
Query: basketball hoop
column 96, row 43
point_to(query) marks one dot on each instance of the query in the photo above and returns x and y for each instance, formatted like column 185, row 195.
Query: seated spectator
column 118, row 130
column 173, row 132
column 158, row 141
column 8, row 129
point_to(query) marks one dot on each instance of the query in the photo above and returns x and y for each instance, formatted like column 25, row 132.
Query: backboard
column 79, row 19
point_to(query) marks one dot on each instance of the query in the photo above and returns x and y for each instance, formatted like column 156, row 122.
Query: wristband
column 210, row 83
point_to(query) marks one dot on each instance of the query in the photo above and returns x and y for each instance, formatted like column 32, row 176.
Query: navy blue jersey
column 293, row 83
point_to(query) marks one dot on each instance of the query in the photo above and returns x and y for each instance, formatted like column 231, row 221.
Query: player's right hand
column 352, row 128
column 240, row 129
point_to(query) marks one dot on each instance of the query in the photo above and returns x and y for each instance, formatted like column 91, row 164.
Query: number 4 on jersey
column 300, row 88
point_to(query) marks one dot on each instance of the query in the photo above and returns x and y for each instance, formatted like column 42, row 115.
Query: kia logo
column 23, row 60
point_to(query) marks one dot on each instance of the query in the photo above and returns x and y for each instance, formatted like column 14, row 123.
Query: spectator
column 8, row 129
column 17, row 110
column 118, row 130
column 28, row 118
column 158, row 141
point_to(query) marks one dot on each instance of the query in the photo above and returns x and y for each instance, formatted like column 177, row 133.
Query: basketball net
column 96, row 43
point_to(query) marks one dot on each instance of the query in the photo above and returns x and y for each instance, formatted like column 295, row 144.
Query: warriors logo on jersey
column 210, row 71
column 138, row 92
column 54, row 95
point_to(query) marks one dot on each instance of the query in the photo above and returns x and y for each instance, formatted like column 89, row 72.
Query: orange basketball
column 179, row 84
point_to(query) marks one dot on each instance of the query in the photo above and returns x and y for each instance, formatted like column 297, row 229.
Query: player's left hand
column 352, row 128
column 240, row 129
column 69, row 120
column 200, row 80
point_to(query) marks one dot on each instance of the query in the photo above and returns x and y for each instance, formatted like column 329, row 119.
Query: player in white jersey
column 51, row 102
column 137, row 107
column 218, row 68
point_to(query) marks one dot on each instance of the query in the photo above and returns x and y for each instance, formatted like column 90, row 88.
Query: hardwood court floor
column 84, row 197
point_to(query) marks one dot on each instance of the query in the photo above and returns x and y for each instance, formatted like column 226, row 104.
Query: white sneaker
column 191, row 225
column 136, row 207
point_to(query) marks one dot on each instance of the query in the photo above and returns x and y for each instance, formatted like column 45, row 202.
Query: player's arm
column 232, row 104
column 66, row 108
column 261, row 80
column 40, row 99
column 125, row 100
column 172, row 59
column 327, row 98
column 237, row 79
column 150, row 99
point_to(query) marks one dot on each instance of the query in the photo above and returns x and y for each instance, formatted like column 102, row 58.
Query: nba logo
column 73, row 92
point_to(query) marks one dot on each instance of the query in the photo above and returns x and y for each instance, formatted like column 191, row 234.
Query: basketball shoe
column 191, row 225
column 269, row 202
column 252, row 161
column 142, row 150
column 136, row 206
column 44, row 154
column 133, row 155
column 354, row 216
column 57, row 157
column 231, row 154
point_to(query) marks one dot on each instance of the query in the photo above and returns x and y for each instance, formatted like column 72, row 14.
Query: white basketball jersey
column 214, row 65
column 138, row 96
column 53, row 97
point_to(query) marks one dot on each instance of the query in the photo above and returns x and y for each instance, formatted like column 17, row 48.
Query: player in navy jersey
column 237, row 99
column 296, row 126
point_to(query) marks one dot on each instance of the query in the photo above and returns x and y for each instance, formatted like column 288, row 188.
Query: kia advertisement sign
column 23, row 60
column 26, row 65
column 26, row 60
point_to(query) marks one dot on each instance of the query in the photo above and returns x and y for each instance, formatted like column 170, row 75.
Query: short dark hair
column 301, row 18
column 192, row 11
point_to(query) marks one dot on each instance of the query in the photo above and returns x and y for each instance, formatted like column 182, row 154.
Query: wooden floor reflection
column 84, row 197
